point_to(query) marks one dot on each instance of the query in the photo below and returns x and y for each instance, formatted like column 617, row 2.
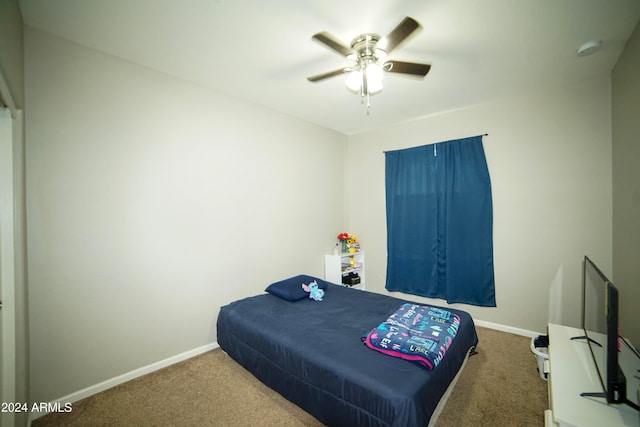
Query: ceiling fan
column 369, row 52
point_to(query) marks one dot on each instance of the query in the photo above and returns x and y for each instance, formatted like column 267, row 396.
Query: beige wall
column 549, row 157
column 626, row 185
column 153, row 202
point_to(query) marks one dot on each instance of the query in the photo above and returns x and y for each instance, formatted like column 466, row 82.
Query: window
column 440, row 222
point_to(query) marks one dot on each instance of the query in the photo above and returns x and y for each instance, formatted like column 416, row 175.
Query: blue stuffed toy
column 315, row 293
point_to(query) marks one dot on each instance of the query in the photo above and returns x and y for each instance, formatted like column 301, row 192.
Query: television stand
column 571, row 372
column 584, row 337
column 604, row 396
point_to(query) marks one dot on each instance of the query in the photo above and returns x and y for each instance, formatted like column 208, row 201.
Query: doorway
column 7, row 269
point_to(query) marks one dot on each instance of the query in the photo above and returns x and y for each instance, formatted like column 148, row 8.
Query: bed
column 312, row 353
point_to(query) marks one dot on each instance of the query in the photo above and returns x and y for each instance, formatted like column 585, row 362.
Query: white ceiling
column 261, row 50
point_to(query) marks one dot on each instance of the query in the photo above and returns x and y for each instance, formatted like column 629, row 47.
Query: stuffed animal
column 315, row 293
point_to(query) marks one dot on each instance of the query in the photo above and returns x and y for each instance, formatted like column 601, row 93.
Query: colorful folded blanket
column 419, row 333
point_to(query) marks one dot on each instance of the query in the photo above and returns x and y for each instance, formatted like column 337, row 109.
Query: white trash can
column 541, row 352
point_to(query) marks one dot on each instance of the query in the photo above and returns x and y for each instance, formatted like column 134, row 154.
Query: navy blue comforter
column 311, row 353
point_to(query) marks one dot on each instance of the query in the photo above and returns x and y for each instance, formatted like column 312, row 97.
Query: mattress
column 311, row 352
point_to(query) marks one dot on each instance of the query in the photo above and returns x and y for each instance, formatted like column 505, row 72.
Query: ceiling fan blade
column 327, row 75
column 332, row 43
column 399, row 34
column 413, row 68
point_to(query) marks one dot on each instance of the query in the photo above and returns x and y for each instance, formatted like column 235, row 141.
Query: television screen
column 600, row 324
column 595, row 312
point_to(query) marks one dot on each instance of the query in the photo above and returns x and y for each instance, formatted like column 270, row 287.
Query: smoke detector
column 589, row 47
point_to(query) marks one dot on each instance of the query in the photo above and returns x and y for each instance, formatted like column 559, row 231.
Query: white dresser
column 572, row 371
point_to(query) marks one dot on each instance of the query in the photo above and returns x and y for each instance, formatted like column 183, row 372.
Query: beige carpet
column 500, row 386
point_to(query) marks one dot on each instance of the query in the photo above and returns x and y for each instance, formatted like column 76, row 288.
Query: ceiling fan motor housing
column 365, row 46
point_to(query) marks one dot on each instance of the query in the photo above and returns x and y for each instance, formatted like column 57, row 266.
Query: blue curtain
column 440, row 222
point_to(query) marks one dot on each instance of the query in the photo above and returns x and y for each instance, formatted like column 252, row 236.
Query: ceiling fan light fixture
column 354, row 81
column 374, row 77
column 373, row 74
column 374, row 87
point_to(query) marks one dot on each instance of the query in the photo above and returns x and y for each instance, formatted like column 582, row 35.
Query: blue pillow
column 291, row 288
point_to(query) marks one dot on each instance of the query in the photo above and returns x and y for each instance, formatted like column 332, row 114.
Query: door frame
column 7, row 266
column 13, row 314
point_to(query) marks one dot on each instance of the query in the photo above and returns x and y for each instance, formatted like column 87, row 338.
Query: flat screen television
column 600, row 325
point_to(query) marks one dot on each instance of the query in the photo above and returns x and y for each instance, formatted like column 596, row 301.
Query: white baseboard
column 112, row 382
column 509, row 329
